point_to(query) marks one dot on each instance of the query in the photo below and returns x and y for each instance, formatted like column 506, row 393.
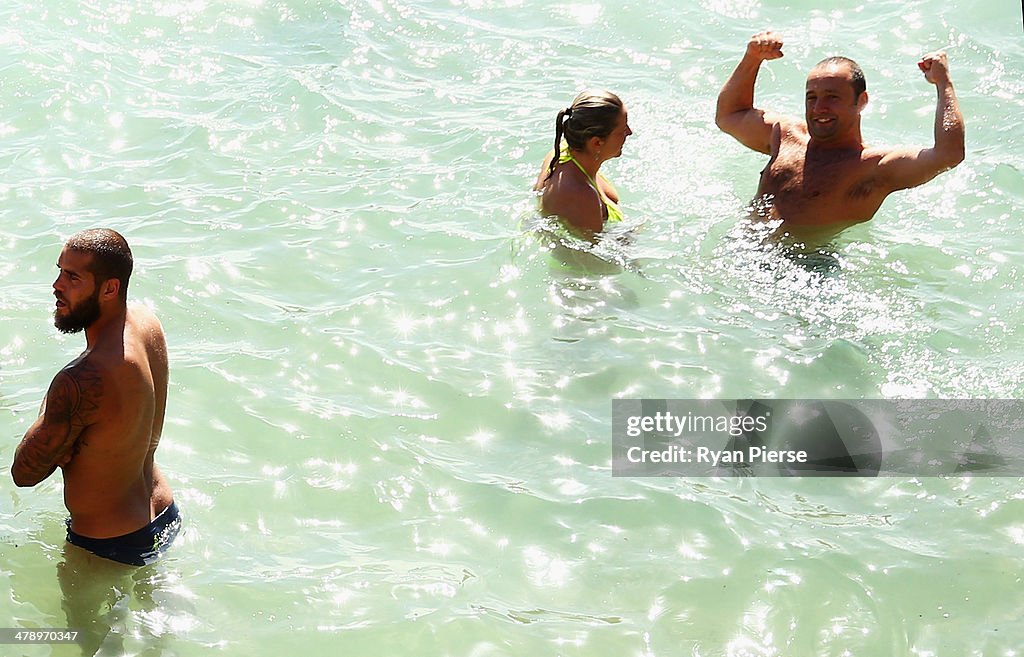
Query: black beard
column 79, row 317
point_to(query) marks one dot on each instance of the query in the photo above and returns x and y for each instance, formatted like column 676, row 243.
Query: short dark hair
column 592, row 114
column 111, row 257
column 860, row 85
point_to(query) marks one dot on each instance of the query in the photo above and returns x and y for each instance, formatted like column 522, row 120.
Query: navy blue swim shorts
column 139, row 547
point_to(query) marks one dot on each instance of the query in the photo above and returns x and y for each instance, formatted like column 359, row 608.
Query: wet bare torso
column 112, row 485
column 818, row 190
column 568, row 188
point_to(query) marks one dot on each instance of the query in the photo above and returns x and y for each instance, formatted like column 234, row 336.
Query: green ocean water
column 390, row 414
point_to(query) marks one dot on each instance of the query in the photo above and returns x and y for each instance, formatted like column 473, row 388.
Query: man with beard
column 821, row 177
column 103, row 415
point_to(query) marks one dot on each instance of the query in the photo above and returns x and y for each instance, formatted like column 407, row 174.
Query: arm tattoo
column 75, row 395
column 72, row 403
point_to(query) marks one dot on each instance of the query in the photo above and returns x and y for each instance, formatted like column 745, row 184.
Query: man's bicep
column 51, row 439
column 752, row 128
column 903, row 168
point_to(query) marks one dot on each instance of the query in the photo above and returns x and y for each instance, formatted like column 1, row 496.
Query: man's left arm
column 50, row 441
column 906, row 167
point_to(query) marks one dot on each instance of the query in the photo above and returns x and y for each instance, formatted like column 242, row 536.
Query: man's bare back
column 102, row 417
column 820, row 175
column 125, row 381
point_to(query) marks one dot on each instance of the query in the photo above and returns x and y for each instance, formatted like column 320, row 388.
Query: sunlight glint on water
column 390, row 403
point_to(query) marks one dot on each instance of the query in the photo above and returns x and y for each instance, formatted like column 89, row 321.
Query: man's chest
column 794, row 174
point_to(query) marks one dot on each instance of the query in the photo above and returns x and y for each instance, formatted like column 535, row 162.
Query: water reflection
column 778, row 246
column 572, row 252
column 118, row 609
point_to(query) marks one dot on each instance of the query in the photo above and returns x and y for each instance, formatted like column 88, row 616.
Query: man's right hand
column 935, row 67
column 765, row 45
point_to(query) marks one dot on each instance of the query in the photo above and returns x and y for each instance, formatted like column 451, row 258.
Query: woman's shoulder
column 545, row 168
column 573, row 199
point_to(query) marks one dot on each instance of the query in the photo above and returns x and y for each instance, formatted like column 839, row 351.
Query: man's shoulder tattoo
column 75, row 394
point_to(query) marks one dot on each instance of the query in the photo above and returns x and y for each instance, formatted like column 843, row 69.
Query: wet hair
column 592, row 114
column 860, row 85
column 111, row 257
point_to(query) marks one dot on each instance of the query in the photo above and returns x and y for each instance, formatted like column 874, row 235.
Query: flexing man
column 102, row 417
column 821, row 177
